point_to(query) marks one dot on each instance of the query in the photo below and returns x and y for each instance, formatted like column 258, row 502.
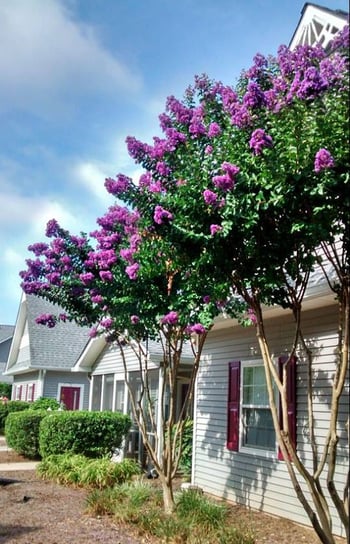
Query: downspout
column 42, row 374
column 194, row 437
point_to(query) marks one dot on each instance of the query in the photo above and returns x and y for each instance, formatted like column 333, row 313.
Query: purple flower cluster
column 214, row 229
column 196, row 126
column 197, row 328
column 323, row 160
column 170, row 319
column 161, row 215
column 132, row 270
column 118, row 186
column 259, row 140
column 226, row 181
column 49, row 320
column 137, row 150
column 254, row 96
column 53, row 228
column 106, row 322
column 210, row 198
column 214, row 130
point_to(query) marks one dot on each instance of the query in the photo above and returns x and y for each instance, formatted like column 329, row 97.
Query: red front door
column 70, row 396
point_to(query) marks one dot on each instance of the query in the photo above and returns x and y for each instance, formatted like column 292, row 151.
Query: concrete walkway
column 11, row 467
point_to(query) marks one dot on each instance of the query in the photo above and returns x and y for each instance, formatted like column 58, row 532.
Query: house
column 235, row 456
column 109, row 391
column 245, row 467
column 40, row 360
column 6, row 334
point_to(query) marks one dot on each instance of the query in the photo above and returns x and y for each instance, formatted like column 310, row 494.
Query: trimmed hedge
column 11, row 406
column 22, row 432
column 46, row 403
column 93, row 434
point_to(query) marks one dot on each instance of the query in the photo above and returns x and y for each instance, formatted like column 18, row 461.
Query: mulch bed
column 34, row 511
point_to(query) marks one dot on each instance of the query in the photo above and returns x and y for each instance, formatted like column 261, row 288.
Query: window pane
column 254, row 386
column 108, row 392
column 120, row 389
column 258, row 428
column 96, row 392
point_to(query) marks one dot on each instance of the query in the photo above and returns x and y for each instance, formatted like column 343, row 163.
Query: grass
column 81, row 471
column 196, row 520
column 118, row 490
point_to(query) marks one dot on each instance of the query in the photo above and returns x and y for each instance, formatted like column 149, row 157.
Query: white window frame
column 257, row 452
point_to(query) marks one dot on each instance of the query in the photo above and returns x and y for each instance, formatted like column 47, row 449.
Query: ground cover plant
column 81, row 471
column 195, row 520
column 240, row 170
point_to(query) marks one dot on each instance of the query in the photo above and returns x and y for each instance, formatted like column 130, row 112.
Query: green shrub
column 5, row 389
column 8, row 407
column 45, row 403
column 93, row 434
column 22, row 432
column 185, row 464
column 85, row 472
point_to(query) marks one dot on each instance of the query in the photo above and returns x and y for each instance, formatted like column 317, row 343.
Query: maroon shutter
column 291, row 399
column 233, row 405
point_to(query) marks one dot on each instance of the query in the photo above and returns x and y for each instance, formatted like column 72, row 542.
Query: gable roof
column 95, row 347
column 6, row 332
column 38, row 347
column 318, row 24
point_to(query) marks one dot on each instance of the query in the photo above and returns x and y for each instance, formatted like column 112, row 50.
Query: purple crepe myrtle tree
column 246, row 193
column 255, row 181
column 127, row 282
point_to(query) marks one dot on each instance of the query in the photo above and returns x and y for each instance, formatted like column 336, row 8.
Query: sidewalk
column 11, row 467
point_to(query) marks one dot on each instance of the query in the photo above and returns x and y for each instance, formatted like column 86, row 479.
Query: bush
column 45, row 403
column 185, row 464
column 22, row 432
column 84, row 472
column 93, row 434
column 10, row 406
column 5, row 389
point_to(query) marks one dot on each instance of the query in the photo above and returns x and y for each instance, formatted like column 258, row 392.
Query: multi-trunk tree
column 246, row 193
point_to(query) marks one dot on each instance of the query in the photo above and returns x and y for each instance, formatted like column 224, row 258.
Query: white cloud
column 92, row 177
column 46, row 55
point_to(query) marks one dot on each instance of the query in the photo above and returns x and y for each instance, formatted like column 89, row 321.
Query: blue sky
column 78, row 76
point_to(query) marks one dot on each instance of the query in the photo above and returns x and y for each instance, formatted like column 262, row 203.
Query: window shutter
column 233, row 405
column 291, row 399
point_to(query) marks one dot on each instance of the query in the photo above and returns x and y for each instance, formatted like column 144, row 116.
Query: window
column 249, row 420
column 18, row 392
column 120, row 394
column 108, row 392
column 257, row 425
column 96, row 393
column 30, row 392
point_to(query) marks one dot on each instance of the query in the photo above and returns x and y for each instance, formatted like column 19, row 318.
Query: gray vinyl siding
column 53, row 379
column 256, row 481
column 110, row 361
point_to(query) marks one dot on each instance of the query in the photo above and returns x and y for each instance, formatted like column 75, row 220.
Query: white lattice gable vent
column 317, row 25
